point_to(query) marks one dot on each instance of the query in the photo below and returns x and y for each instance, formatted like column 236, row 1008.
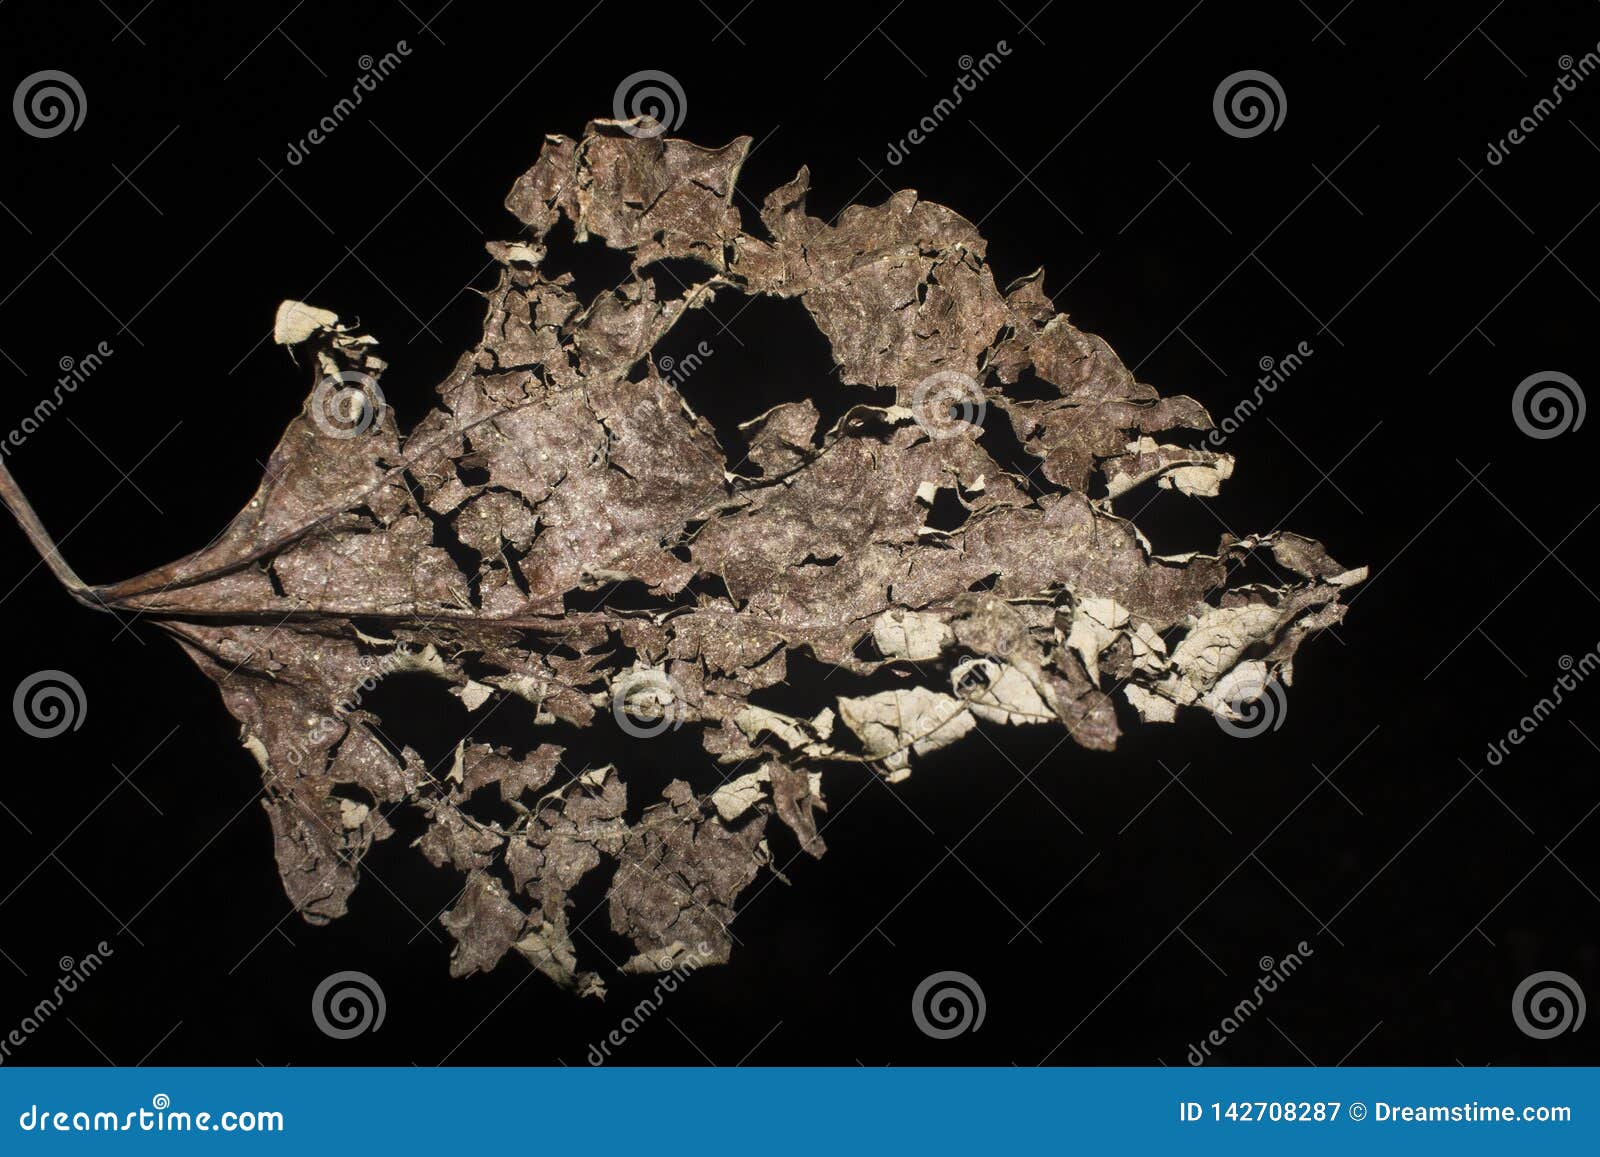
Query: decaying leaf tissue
column 559, row 459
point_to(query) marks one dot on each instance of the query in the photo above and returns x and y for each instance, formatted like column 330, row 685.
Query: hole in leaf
column 947, row 513
column 675, row 276
column 740, row 356
column 595, row 268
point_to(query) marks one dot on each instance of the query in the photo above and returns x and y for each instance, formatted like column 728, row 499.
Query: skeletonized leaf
column 558, row 460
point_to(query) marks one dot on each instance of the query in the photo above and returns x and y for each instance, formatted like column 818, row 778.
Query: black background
column 1110, row 915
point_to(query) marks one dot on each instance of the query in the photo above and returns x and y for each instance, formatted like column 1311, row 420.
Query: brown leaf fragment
column 681, row 870
column 564, row 461
column 485, row 924
column 483, row 766
column 798, row 799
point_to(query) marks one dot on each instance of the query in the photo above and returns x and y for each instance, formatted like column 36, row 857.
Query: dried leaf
column 559, row 460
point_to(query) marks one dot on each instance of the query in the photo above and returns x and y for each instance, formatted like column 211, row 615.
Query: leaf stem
column 22, row 510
